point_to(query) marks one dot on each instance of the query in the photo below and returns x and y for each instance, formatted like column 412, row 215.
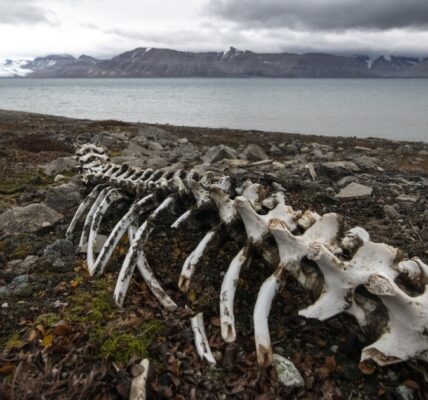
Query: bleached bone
column 112, row 196
column 201, row 341
column 82, row 208
column 341, row 278
column 135, row 249
column 182, row 219
column 119, row 230
column 227, row 293
column 153, row 284
column 139, row 383
column 291, row 251
column 405, row 336
column 257, row 227
column 228, row 215
column 88, row 220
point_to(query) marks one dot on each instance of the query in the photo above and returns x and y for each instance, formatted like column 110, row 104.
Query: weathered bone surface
column 345, row 262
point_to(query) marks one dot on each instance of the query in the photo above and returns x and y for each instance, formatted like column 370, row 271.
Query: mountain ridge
column 147, row 62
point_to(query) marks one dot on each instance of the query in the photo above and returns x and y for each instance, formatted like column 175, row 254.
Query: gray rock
column 403, row 198
column 275, row 150
column 63, row 197
column 391, row 212
column 59, row 178
column 31, row 218
column 218, row 153
column 135, row 150
column 59, row 166
column 132, row 161
column 354, row 190
column 154, row 146
column 405, row 392
column 348, row 166
column 366, row 162
column 155, row 162
column 345, row 180
column 59, row 248
column 184, row 152
column 17, row 285
column 183, row 141
column 252, row 152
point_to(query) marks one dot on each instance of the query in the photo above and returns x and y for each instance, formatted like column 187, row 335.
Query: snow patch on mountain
column 14, row 68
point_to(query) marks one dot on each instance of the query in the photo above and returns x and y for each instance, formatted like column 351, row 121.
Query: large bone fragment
column 201, row 341
column 405, row 336
column 119, row 230
column 112, row 196
column 342, row 278
column 136, row 247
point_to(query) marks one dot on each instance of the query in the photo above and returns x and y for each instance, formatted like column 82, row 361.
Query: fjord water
column 387, row 108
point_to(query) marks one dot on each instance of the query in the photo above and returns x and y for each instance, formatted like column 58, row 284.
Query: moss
column 92, row 307
column 14, row 342
column 121, row 346
column 3, row 245
column 13, row 184
column 22, row 250
column 47, row 320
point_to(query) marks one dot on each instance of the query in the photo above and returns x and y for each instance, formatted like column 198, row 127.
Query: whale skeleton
column 282, row 236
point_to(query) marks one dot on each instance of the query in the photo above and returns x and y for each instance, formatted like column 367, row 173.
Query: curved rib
column 194, row 257
column 137, row 244
column 112, row 196
column 153, row 284
column 261, row 314
column 119, row 230
column 182, row 218
column 227, row 293
column 82, row 208
column 88, row 220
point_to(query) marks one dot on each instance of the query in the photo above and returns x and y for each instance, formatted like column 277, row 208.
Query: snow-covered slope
column 11, row 68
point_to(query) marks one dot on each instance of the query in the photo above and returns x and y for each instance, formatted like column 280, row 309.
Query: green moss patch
column 110, row 333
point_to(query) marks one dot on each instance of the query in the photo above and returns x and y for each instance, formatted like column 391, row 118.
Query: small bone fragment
column 311, row 169
column 139, row 383
column 201, row 341
column 287, row 373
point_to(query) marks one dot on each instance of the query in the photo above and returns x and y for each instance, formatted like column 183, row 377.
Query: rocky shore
column 60, row 333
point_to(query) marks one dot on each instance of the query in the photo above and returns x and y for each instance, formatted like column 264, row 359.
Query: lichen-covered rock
column 63, row 197
column 59, row 166
column 31, row 218
column 254, row 153
column 218, row 153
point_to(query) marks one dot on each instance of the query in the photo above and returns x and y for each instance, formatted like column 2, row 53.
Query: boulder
column 155, row 162
column 218, row 153
column 338, row 169
column 27, row 219
column 59, row 166
column 354, row 190
column 63, row 197
column 391, row 212
column 254, row 153
column 16, row 286
column 275, row 150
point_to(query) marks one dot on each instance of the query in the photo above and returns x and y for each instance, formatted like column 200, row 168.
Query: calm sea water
column 388, row 108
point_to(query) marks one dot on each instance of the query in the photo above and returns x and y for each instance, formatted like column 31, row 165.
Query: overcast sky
column 104, row 28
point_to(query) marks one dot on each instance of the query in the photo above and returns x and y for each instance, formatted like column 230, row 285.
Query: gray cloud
column 21, row 11
column 325, row 15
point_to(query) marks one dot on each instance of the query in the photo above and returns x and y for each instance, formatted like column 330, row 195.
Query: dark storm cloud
column 21, row 11
column 323, row 14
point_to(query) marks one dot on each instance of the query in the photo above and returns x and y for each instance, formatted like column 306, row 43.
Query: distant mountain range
column 153, row 62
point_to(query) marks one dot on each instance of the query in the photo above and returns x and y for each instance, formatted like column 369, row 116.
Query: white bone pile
column 282, row 236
